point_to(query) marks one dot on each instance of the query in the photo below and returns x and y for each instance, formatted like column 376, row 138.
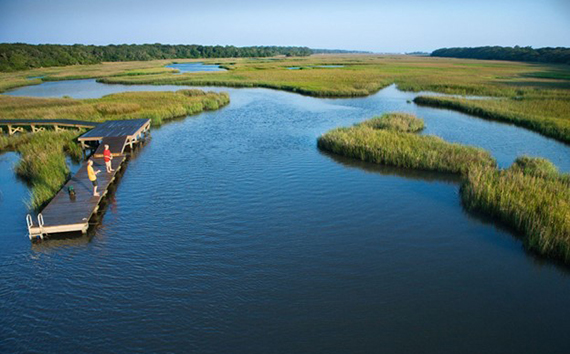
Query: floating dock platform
column 71, row 212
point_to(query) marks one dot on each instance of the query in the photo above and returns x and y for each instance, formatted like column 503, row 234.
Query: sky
column 371, row 25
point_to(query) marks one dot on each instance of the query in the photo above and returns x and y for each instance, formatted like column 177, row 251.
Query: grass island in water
column 530, row 196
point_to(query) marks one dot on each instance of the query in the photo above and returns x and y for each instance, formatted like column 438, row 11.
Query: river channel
column 230, row 232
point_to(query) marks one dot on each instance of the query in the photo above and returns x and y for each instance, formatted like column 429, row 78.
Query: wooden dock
column 68, row 212
column 36, row 125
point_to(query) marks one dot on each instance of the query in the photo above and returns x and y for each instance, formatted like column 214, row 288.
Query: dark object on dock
column 72, row 213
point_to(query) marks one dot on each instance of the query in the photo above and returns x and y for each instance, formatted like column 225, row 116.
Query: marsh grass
column 533, row 97
column 545, row 114
column 157, row 106
column 536, row 96
column 400, row 122
column 531, row 196
column 42, row 161
column 536, row 166
column 387, row 140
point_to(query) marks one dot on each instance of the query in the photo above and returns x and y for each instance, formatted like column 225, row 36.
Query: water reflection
column 61, row 241
column 428, row 176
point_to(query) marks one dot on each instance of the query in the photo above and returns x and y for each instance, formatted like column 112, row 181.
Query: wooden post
column 37, row 129
column 13, row 130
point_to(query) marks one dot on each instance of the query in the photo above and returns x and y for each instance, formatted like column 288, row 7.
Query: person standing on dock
column 92, row 174
column 108, row 157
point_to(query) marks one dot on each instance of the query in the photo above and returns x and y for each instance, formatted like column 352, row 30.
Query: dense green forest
column 21, row 56
column 559, row 55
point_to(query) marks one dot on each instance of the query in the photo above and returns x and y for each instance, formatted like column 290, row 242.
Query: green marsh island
column 531, row 195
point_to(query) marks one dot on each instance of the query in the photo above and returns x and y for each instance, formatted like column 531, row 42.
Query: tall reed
column 386, row 140
column 533, row 200
column 42, row 161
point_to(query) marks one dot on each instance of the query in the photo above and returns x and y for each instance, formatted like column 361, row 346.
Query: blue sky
column 379, row 26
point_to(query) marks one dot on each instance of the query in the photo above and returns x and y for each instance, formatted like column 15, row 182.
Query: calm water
column 231, row 233
column 194, row 67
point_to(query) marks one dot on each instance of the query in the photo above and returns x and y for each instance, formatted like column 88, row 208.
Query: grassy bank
column 43, row 155
column 360, row 75
column 535, row 98
column 387, row 140
column 531, row 98
column 530, row 196
column 365, row 74
column 545, row 115
column 11, row 80
column 396, row 122
column 43, row 160
column 313, row 82
column 157, row 106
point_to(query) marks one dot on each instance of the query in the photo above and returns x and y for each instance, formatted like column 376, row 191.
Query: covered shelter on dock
column 115, row 133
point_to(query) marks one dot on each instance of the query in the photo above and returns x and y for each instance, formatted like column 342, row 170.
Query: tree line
column 560, row 55
column 22, row 56
column 338, row 51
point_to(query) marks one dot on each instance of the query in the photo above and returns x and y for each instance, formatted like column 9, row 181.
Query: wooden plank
column 59, row 228
column 64, row 122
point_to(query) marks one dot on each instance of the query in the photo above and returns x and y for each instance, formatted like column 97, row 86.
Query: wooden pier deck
column 17, row 125
column 71, row 213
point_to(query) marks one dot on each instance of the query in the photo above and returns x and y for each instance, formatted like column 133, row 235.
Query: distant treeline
column 420, row 54
column 338, row 51
column 559, row 55
column 21, row 56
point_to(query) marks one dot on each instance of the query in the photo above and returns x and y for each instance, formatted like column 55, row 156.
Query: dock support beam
column 14, row 130
column 37, row 129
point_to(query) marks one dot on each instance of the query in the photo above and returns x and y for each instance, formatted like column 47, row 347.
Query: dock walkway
column 71, row 213
column 17, row 125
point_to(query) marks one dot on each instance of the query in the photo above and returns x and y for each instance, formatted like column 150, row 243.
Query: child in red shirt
column 108, row 157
